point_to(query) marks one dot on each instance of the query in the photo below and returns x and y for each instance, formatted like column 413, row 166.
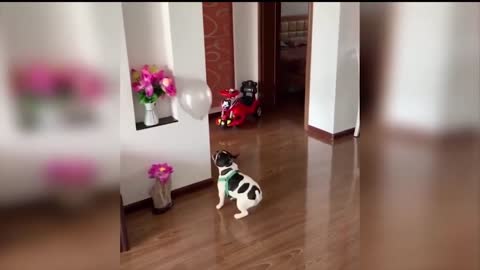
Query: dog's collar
column 226, row 178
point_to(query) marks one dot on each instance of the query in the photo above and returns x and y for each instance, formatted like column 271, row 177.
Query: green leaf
column 154, row 97
column 143, row 99
column 148, row 99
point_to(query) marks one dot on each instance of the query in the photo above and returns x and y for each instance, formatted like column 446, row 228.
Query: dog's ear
column 231, row 155
column 214, row 156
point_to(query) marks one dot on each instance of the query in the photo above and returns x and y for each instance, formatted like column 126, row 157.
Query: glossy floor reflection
column 308, row 219
column 419, row 203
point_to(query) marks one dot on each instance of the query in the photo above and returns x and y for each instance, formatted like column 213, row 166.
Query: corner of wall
column 245, row 37
column 347, row 76
column 323, row 67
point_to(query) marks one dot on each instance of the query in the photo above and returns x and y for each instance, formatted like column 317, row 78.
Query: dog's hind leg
column 241, row 205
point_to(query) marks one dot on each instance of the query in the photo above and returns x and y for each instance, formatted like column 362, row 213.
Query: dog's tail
column 259, row 196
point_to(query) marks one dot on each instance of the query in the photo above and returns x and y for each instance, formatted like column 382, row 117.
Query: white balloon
column 195, row 97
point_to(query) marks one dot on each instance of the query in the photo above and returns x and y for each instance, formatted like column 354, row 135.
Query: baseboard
column 341, row 134
column 136, row 206
column 147, row 203
column 328, row 137
column 320, row 134
column 191, row 188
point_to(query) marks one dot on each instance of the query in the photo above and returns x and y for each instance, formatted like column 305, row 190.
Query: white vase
column 151, row 117
column 47, row 117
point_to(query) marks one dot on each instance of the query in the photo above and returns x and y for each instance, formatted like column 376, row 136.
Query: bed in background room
column 293, row 49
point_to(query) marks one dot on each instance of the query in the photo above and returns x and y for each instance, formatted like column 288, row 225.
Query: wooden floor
column 419, row 202
column 308, row 219
column 419, row 205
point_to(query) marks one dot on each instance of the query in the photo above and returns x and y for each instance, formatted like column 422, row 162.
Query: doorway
column 284, row 54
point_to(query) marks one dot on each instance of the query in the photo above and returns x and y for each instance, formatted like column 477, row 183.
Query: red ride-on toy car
column 237, row 105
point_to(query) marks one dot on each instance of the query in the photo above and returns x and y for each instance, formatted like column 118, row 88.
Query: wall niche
column 147, row 37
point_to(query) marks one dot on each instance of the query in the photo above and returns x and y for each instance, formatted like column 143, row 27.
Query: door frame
column 268, row 50
column 269, row 93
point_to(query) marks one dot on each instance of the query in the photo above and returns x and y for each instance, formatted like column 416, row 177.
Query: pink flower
column 143, row 81
column 160, row 172
column 137, row 87
column 158, row 76
column 149, row 90
column 140, row 86
column 166, row 82
column 146, row 76
column 70, row 172
column 89, row 85
column 39, row 79
column 72, row 81
column 151, row 76
column 168, row 86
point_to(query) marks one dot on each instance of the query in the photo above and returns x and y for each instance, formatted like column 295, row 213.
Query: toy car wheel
column 258, row 112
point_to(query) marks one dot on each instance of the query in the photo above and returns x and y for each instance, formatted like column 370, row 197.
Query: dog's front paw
column 219, row 206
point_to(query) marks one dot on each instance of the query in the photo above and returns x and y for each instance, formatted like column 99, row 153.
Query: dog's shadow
column 238, row 231
column 231, row 229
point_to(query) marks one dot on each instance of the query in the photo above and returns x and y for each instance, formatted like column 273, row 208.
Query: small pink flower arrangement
column 40, row 80
column 160, row 172
column 150, row 83
column 67, row 172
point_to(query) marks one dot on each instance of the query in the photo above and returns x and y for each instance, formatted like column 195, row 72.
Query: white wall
column 334, row 74
column 433, row 75
column 71, row 33
column 348, row 79
column 245, row 37
column 461, row 102
column 323, row 67
column 294, row 8
column 417, row 72
column 186, row 144
column 146, row 32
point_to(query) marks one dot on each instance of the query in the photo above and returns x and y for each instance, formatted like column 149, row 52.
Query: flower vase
column 47, row 117
column 73, row 198
column 161, row 196
column 151, row 117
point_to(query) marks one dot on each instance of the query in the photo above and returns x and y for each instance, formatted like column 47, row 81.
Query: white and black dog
column 235, row 184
